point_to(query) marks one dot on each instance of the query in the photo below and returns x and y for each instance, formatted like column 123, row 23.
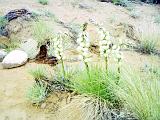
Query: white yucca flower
column 58, row 47
column 104, row 43
column 83, row 48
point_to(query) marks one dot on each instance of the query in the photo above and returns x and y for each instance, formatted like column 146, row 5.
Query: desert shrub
column 148, row 46
column 37, row 93
column 97, row 85
column 149, row 38
column 42, row 32
column 123, row 3
column 43, row 2
column 12, row 46
column 38, row 73
column 3, row 21
column 141, row 94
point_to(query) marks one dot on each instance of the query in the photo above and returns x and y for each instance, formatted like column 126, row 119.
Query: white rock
column 14, row 59
column 30, row 47
column 2, row 55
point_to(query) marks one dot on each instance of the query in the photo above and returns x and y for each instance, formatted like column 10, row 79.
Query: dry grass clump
column 42, row 32
column 140, row 93
column 149, row 36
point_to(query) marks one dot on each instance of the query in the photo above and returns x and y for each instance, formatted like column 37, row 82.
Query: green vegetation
column 148, row 45
column 37, row 93
column 42, row 32
column 12, row 46
column 38, row 73
column 43, row 2
column 141, row 94
column 149, row 38
column 97, row 85
column 3, row 21
column 123, row 3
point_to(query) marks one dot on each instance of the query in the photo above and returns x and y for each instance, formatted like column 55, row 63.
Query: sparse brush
column 97, row 85
column 43, row 2
column 141, row 94
column 12, row 46
column 42, row 32
column 3, row 21
column 149, row 38
column 123, row 3
column 38, row 73
column 92, row 109
column 37, row 93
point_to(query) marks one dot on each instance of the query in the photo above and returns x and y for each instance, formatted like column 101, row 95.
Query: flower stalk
column 105, row 43
column 83, row 48
column 58, row 51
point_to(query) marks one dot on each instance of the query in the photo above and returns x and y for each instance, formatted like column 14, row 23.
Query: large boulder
column 2, row 55
column 14, row 59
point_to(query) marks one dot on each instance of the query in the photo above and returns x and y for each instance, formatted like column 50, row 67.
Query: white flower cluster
column 104, row 43
column 58, row 47
column 84, row 43
column 117, row 54
column 106, row 46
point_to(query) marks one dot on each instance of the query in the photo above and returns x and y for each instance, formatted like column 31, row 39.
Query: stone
column 2, row 55
column 14, row 59
column 30, row 46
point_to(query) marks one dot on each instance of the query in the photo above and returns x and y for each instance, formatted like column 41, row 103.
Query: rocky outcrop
column 15, row 58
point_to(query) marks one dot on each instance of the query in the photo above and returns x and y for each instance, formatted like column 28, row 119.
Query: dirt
column 15, row 82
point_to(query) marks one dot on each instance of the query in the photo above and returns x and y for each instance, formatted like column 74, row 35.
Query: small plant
column 12, row 46
column 3, row 21
column 123, row 3
column 141, row 94
column 37, row 93
column 42, row 32
column 83, row 48
column 149, row 38
column 38, row 73
column 43, row 2
column 148, row 46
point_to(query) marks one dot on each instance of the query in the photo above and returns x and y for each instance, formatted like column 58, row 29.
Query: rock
column 84, row 6
column 2, row 55
column 14, row 59
column 30, row 47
